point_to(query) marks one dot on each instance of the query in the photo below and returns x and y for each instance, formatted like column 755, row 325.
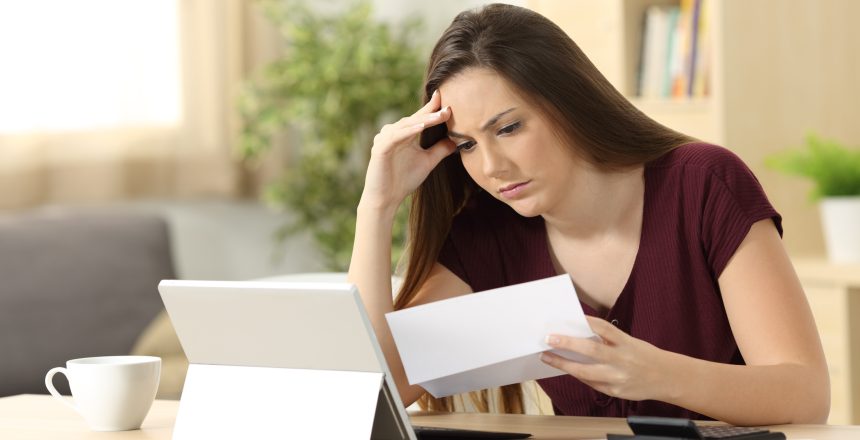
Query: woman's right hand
column 398, row 164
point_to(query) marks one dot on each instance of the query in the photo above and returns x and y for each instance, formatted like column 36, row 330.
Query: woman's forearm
column 370, row 271
column 370, row 265
column 791, row 391
column 748, row 394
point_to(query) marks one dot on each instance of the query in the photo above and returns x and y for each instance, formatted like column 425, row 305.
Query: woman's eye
column 508, row 129
column 466, row 146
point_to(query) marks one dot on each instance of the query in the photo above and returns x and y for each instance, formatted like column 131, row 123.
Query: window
column 89, row 64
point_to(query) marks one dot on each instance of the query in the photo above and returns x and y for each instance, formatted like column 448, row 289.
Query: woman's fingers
column 583, row 372
column 409, row 127
column 606, row 330
column 432, row 105
column 598, row 350
column 427, row 116
column 430, row 119
column 595, row 350
column 623, row 366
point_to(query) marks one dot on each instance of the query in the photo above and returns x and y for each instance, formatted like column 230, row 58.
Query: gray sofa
column 75, row 283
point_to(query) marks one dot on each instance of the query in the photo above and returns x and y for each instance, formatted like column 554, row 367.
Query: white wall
column 436, row 14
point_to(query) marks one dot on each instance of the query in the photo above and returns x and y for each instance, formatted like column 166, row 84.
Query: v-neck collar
column 628, row 285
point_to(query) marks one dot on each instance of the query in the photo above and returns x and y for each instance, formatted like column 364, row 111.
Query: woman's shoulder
column 711, row 176
column 703, row 159
column 698, row 154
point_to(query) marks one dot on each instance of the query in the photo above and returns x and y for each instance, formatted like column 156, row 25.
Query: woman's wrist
column 378, row 208
column 674, row 370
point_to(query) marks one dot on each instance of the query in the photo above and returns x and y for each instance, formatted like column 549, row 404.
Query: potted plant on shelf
column 835, row 170
column 343, row 75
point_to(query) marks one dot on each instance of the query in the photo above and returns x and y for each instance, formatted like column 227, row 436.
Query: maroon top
column 700, row 202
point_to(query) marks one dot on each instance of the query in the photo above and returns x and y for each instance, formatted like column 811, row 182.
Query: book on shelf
column 655, row 51
column 675, row 52
column 701, row 65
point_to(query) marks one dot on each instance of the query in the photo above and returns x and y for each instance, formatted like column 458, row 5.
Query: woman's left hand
column 624, row 367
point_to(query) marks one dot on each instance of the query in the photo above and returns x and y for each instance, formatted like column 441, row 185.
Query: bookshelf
column 778, row 70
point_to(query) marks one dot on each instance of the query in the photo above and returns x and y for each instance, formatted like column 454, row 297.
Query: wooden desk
column 833, row 291
column 34, row 417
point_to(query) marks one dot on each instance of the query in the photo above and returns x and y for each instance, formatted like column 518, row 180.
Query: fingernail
column 545, row 358
column 551, row 340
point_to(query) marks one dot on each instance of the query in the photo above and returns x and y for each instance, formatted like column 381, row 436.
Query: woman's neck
column 599, row 203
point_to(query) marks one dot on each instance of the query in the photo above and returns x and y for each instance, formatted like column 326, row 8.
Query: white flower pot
column 840, row 217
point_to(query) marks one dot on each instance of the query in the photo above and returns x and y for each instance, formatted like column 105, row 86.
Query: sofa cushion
column 159, row 339
column 75, row 283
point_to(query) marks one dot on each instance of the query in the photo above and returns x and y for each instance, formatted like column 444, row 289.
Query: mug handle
column 49, row 382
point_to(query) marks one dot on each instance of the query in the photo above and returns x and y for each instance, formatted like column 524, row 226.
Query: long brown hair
column 547, row 68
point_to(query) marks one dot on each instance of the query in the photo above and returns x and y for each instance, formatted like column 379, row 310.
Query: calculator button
column 720, row 432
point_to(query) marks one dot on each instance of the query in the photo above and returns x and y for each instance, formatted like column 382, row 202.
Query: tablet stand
column 256, row 402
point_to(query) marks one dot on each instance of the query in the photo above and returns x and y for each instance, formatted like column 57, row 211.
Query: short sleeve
column 734, row 201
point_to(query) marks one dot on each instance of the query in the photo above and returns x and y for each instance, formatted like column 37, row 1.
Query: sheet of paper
column 489, row 338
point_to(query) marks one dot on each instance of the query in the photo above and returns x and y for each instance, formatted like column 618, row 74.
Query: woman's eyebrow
column 490, row 122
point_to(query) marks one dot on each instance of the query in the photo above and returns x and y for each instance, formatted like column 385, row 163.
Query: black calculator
column 666, row 428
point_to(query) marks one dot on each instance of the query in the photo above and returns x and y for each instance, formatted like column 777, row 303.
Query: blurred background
column 135, row 105
column 240, row 128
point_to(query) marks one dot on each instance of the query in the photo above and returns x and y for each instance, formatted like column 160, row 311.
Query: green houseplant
column 835, row 170
column 343, row 75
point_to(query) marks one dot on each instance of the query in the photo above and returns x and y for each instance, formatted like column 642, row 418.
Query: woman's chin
column 525, row 209
column 526, row 206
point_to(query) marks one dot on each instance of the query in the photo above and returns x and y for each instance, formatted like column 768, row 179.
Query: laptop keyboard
column 433, row 432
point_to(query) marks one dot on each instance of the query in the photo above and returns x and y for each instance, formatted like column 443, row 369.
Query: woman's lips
column 513, row 190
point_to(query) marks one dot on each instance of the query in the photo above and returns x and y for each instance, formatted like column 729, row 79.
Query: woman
column 671, row 243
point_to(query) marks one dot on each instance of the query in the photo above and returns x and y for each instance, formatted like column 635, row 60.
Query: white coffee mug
column 113, row 393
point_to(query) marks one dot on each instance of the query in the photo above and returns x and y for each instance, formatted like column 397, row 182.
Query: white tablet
column 280, row 360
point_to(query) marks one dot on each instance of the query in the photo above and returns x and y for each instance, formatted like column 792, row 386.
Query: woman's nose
column 495, row 164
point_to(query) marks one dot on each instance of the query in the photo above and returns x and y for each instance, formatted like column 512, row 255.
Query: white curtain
column 113, row 99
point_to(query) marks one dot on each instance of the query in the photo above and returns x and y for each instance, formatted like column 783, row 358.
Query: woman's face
column 506, row 144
